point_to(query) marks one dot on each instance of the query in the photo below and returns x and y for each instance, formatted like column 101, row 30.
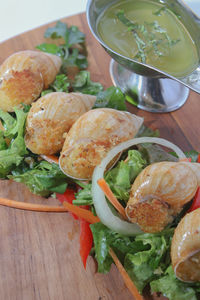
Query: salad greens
column 146, row 265
column 173, row 288
column 145, row 257
column 104, row 238
column 112, row 97
column 60, row 84
column 12, row 149
column 72, row 49
column 73, row 54
column 42, row 178
column 84, row 195
column 83, row 84
column 122, row 176
column 19, row 164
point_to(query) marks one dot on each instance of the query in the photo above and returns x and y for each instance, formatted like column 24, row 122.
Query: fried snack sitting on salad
column 24, row 75
column 92, row 136
column 159, row 193
column 51, row 116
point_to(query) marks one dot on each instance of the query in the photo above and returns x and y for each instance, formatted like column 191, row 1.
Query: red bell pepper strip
column 68, row 196
column 86, row 241
column 198, row 159
column 196, row 201
column 86, row 237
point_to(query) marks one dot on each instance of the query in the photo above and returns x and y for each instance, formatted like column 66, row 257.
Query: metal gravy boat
column 152, row 89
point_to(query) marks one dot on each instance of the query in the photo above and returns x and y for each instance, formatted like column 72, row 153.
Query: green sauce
column 150, row 33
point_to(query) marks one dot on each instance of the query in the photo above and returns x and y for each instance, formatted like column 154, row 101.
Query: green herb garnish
column 72, row 50
column 150, row 38
column 60, row 84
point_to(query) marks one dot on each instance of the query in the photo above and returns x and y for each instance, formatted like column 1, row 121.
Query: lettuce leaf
column 173, row 288
column 146, row 258
column 84, row 195
column 122, row 176
column 119, row 179
column 42, row 178
column 8, row 122
column 104, row 238
column 12, row 155
column 154, row 153
column 3, row 144
column 147, row 265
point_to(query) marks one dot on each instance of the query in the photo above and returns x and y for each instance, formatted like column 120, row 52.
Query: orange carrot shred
column 81, row 213
column 127, row 280
column 50, row 158
column 111, row 197
column 31, row 206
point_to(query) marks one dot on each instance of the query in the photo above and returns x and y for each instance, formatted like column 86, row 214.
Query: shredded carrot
column 50, row 158
column 126, row 160
column 111, row 197
column 127, row 280
column 31, row 206
column 81, row 213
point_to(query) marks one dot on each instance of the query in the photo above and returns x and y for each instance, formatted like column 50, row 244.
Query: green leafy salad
column 145, row 257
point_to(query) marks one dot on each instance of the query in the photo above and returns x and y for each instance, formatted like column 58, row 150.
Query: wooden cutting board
column 39, row 252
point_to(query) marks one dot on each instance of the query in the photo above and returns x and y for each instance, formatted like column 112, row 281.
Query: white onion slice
column 102, row 209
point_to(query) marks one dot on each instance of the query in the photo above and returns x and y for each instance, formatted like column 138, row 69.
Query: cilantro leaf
column 75, row 58
column 83, row 84
column 59, row 31
column 71, row 50
column 75, row 36
column 112, row 97
column 50, row 48
column 60, row 84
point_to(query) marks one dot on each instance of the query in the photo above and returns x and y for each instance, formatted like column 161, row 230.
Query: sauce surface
column 165, row 42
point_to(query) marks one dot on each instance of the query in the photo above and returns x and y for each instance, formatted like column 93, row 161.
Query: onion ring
column 102, row 209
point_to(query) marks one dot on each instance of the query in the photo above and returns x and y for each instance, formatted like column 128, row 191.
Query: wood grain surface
column 39, row 252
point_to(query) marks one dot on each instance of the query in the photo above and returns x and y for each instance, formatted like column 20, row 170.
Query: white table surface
column 17, row 16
